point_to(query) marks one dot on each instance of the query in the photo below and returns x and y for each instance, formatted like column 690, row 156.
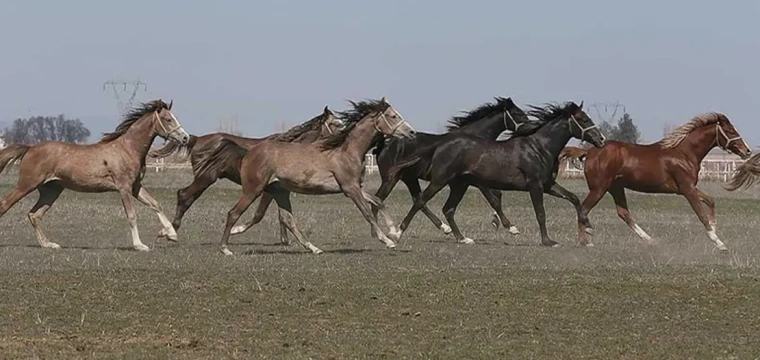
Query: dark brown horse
column 670, row 166
column 323, row 125
column 115, row 164
column 331, row 166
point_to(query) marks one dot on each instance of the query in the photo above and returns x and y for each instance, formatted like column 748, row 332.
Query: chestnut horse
column 321, row 126
column 115, row 164
column 331, row 166
column 670, row 166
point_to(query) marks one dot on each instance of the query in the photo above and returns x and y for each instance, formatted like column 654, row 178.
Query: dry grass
column 505, row 297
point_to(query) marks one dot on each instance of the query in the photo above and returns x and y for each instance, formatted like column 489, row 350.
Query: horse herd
column 325, row 155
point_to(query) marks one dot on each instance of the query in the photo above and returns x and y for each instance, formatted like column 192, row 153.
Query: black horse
column 487, row 121
column 527, row 161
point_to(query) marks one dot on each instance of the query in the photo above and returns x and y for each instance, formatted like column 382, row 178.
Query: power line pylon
column 606, row 111
column 125, row 91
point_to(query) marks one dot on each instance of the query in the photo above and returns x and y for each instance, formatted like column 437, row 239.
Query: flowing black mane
column 132, row 117
column 481, row 112
column 552, row 111
column 312, row 125
column 351, row 118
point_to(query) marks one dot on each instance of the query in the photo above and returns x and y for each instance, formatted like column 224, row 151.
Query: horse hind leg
column 618, row 195
column 456, row 193
column 710, row 203
column 692, row 195
column 187, row 196
column 167, row 229
column 380, row 207
column 49, row 193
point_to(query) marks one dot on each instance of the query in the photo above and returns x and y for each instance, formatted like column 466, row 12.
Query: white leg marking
column 394, row 232
column 718, row 244
column 168, row 230
column 315, row 250
column 467, row 241
column 641, row 233
column 446, row 229
column 513, row 230
column 238, row 229
column 226, row 251
column 136, row 243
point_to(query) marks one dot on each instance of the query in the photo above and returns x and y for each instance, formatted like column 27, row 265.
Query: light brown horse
column 331, row 166
column 115, row 164
column 670, row 166
column 321, row 126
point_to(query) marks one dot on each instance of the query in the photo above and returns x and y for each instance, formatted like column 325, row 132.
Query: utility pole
column 125, row 91
column 606, row 111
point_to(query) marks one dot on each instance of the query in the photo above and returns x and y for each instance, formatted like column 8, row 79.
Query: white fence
column 712, row 169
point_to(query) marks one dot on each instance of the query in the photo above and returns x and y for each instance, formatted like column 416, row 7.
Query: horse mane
column 131, row 118
column 295, row 132
column 350, row 118
column 680, row 133
column 479, row 113
column 543, row 115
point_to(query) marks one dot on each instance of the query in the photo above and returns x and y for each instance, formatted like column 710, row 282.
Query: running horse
column 669, row 166
column 320, row 126
column 115, row 164
column 331, row 166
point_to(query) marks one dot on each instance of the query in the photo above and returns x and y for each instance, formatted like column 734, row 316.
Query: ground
column 505, row 297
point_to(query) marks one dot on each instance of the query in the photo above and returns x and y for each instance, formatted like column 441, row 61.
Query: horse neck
column 362, row 138
column 699, row 142
column 139, row 137
column 553, row 137
column 487, row 128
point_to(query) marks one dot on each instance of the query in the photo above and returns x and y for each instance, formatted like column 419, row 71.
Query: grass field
column 505, row 297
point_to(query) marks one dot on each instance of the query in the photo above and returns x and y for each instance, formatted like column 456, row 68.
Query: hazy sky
column 273, row 61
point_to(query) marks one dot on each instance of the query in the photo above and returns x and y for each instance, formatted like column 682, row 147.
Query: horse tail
column 12, row 153
column 172, row 147
column 226, row 155
column 746, row 174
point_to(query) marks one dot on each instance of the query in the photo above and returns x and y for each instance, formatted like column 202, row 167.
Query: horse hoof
column 226, row 251
column 549, row 243
column 446, row 229
column 51, row 246
column 589, row 245
column 589, row 231
column 391, row 245
column 722, row 247
column 468, row 241
column 513, row 230
column 141, row 247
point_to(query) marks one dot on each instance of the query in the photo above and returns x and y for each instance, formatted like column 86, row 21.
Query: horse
column 526, row 161
column 329, row 166
column 487, row 121
column 114, row 164
column 320, row 126
column 669, row 166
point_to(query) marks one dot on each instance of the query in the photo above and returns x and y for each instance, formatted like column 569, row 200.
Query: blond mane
column 680, row 133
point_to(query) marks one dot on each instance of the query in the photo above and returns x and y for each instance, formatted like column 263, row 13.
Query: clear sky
column 274, row 61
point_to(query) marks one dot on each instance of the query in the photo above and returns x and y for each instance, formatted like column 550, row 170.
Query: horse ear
column 171, row 102
column 581, row 105
column 384, row 100
column 327, row 110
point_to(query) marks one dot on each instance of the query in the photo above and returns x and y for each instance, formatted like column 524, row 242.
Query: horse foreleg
column 48, row 195
column 167, row 229
column 456, row 193
column 187, row 196
column 493, row 197
column 537, row 197
column 431, row 190
column 692, row 195
column 557, row 190
column 414, row 189
column 129, row 210
column 234, row 214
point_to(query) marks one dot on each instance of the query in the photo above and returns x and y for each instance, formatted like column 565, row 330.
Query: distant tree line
column 37, row 129
column 624, row 131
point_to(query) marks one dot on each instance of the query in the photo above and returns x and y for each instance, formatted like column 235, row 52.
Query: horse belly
column 645, row 181
column 85, row 181
column 312, row 183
